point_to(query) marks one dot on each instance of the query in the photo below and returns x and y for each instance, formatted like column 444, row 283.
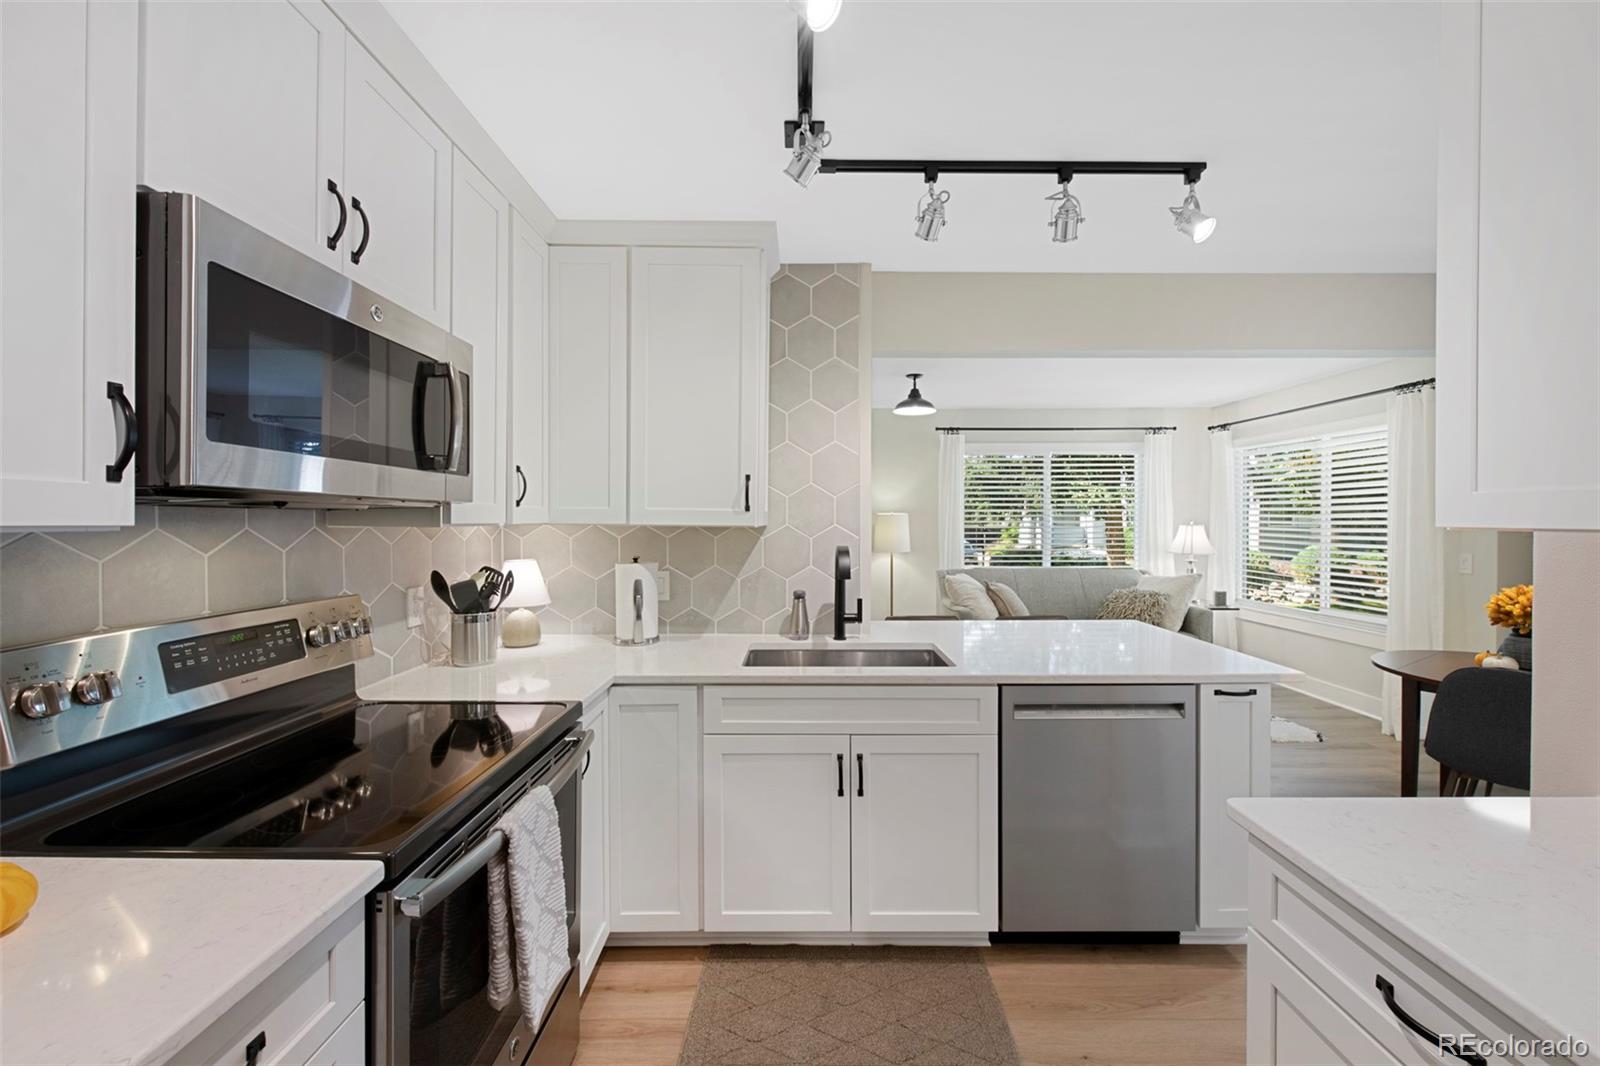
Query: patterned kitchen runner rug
column 783, row 1005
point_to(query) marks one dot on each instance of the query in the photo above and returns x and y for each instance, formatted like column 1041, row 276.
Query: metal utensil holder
column 474, row 638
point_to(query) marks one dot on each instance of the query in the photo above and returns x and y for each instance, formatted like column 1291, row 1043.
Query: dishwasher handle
column 1031, row 712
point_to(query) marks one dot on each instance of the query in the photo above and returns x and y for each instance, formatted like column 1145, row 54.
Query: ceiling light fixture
column 807, row 160
column 820, row 14
column 914, row 404
column 1190, row 220
column 1064, row 221
column 930, row 220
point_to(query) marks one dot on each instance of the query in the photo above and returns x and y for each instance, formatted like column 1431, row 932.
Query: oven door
column 280, row 378
column 431, row 944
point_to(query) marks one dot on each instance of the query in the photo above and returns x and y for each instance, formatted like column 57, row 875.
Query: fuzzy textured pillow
column 969, row 598
column 1179, row 590
column 1006, row 600
column 1139, row 605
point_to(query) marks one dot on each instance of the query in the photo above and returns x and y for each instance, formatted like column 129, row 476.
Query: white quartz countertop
column 128, row 960
column 1006, row 653
column 1502, row 894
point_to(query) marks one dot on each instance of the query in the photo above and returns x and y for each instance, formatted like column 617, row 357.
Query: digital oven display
column 205, row 660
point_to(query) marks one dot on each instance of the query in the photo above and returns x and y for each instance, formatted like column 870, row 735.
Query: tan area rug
column 846, row 1006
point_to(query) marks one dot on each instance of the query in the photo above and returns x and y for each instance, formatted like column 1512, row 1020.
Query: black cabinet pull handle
column 841, row 774
column 344, row 216
column 252, row 1050
column 366, row 230
column 1227, row 692
column 522, row 493
column 587, row 756
column 1423, row 1031
column 130, row 431
column 861, row 775
column 747, row 494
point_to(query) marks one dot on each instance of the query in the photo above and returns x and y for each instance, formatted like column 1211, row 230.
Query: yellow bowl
column 18, row 890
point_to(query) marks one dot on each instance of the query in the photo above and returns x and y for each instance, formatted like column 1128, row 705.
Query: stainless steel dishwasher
column 1097, row 808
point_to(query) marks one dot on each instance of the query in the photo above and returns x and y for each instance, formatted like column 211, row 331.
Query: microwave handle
column 458, row 418
column 427, row 459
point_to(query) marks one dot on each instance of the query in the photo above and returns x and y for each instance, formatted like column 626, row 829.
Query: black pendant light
column 914, row 404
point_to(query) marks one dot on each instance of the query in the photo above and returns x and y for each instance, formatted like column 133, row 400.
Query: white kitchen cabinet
column 697, row 387
column 397, row 166
column 68, row 164
column 348, row 1044
column 1518, row 330
column 654, row 809
column 588, row 380
column 924, row 834
column 594, row 907
column 1235, row 760
column 259, row 130
column 1290, row 1022
column 777, row 834
column 480, row 298
column 529, row 412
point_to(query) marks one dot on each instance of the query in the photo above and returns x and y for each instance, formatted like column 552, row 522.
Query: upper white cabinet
column 529, row 413
column 697, row 387
column 397, row 172
column 68, row 121
column 655, row 809
column 258, row 131
column 480, row 274
column 588, row 381
column 1518, row 330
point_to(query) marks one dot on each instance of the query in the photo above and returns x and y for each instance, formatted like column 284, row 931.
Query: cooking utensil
column 505, row 591
column 441, row 589
column 489, row 582
column 465, row 595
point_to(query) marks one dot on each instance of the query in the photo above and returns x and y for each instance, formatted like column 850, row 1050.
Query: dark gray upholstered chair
column 1479, row 730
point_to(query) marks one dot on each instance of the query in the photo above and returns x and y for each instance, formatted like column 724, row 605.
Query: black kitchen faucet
column 841, row 574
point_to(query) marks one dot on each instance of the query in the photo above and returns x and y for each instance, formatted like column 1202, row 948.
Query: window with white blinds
column 1313, row 524
column 1049, row 506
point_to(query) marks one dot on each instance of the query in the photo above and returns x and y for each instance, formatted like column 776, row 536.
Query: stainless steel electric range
column 241, row 735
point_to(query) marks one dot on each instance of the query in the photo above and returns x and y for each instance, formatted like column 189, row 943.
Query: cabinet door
column 924, row 834
column 1235, row 760
column 777, row 834
column 348, row 1044
column 397, row 169
column 68, row 122
column 588, row 363
column 480, row 283
column 655, row 809
column 1291, row 1022
column 1518, row 329
column 528, row 413
column 244, row 107
column 594, row 909
column 697, row 387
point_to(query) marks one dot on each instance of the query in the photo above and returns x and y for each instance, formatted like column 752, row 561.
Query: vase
column 1518, row 647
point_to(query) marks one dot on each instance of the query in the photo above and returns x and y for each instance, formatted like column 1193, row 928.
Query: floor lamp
column 891, row 533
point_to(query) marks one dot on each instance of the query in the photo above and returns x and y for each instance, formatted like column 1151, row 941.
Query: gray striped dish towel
column 528, row 908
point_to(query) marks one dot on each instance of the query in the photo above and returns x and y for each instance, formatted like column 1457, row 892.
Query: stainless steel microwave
column 266, row 376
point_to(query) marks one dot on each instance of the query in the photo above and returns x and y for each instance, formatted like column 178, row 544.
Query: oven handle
column 420, row 895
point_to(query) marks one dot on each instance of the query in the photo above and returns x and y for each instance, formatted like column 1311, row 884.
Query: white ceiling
column 1112, row 380
column 1317, row 120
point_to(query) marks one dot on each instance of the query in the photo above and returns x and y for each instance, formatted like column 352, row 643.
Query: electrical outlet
column 414, row 603
column 663, row 585
column 1464, row 563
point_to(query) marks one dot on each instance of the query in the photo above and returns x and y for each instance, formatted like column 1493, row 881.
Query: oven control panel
column 212, row 657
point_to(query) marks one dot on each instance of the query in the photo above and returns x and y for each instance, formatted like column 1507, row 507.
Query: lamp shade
column 529, row 589
column 891, row 531
column 1192, row 540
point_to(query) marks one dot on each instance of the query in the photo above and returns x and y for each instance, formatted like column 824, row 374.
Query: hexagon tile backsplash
column 178, row 562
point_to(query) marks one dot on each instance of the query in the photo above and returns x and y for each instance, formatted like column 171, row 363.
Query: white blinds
column 1049, row 508
column 1313, row 523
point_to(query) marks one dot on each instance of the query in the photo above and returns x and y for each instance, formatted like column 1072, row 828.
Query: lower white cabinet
column 655, row 809
column 1235, row 760
column 347, row 1046
column 594, row 906
column 1292, row 1023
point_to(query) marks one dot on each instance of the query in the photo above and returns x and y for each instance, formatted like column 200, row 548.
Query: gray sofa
column 1066, row 591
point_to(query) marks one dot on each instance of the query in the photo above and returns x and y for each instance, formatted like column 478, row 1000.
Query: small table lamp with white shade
column 891, row 532
column 1191, row 541
column 521, row 627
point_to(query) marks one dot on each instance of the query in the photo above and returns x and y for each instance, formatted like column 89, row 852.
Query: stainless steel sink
column 859, row 655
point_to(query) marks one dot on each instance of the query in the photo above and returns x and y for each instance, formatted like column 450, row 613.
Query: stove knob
column 359, row 787
column 363, row 624
column 321, row 635
column 320, row 810
column 347, row 630
column 43, row 700
column 102, row 686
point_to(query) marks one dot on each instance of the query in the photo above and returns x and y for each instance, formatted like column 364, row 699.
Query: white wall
column 1566, row 679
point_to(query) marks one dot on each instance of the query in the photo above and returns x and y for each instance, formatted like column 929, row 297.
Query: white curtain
column 1153, row 550
column 1222, row 568
column 952, row 495
column 1416, row 544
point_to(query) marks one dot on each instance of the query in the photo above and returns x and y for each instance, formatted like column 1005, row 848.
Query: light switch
column 414, row 607
column 1464, row 563
column 663, row 584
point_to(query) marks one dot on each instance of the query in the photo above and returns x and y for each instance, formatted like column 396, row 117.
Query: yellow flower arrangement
column 1512, row 607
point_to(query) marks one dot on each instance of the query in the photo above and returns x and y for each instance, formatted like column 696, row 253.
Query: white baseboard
column 656, row 940
column 1214, row 936
column 1338, row 695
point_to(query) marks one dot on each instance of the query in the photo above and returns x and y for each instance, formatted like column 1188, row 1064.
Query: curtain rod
column 1056, row 429
column 1410, row 386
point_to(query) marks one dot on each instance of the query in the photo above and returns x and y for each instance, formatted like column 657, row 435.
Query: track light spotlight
column 1191, row 221
column 1064, row 222
column 914, row 404
column 807, row 160
column 930, row 220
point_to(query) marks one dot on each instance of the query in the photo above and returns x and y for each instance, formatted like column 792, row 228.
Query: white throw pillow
column 970, row 598
column 1179, row 591
column 1006, row 600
